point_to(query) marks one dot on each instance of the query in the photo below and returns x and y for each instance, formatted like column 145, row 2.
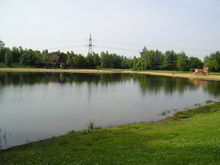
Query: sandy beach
column 181, row 75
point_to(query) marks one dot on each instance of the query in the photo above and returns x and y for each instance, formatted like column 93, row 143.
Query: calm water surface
column 35, row 106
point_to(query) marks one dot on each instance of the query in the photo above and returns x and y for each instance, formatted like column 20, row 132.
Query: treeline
column 170, row 60
column 213, row 61
column 56, row 59
column 148, row 60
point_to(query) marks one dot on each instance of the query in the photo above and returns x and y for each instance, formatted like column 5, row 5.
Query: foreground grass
column 191, row 137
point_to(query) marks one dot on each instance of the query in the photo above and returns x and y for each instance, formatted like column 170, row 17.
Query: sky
column 119, row 26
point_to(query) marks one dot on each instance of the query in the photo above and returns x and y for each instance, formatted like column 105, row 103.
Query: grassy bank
column 191, row 137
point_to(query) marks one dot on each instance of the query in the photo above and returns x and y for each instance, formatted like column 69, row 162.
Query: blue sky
column 120, row 26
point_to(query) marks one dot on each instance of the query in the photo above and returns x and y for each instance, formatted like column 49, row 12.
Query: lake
column 36, row 106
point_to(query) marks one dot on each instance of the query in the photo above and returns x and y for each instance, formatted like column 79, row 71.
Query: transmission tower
column 90, row 44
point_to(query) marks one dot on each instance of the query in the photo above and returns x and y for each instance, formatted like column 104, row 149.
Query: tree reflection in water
column 147, row 83
column 3, row 138
column 128, row 91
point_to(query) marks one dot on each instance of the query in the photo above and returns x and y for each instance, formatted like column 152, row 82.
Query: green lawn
column 191, row 137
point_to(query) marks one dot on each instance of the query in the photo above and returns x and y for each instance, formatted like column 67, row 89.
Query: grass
column 189, row 137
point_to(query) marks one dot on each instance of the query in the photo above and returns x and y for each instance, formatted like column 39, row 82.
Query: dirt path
column 182, row 75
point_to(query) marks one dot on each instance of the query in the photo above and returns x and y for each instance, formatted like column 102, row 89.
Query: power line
column 127, row 46
column 116, row 48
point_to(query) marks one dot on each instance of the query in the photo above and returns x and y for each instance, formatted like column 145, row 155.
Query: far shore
column 157, row 73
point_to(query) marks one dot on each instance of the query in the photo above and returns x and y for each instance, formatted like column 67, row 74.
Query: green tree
column 138, row 64
column 116, row 61
column 108, row 60
column 93, row 60
column 127, row 63
column 195, row 63
column 2, row 51
column 150, row 59
column 158, row 60
column 213, row 61
column 182, row 62
column 8, row 57
column 145, row 60
column 16, row 54
column 76, row 61
column 170, row 60
column 105, row 60
column 96, row 59
column 32, row 58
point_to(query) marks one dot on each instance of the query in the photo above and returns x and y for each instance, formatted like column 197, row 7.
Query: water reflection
column 147, row 83
column 156, row 84
column 36, row 106
column 45, row 78
column 3, row 138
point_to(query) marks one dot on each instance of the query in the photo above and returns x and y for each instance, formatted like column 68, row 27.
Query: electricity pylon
column 90, row 44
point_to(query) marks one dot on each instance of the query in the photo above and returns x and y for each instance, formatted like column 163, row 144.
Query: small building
column 55, row 59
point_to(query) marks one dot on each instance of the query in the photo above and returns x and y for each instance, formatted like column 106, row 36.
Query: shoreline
column 181, row 114
column 99, row 71
column 177, row 136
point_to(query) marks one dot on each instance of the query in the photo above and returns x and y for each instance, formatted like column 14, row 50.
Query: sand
column 181, row 75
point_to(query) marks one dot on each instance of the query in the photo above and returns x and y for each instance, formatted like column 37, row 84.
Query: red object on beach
column 204, row 70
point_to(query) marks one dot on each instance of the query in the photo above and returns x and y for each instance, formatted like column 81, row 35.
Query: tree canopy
column 213, row 61
column 148, row 60
column 170, row 60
